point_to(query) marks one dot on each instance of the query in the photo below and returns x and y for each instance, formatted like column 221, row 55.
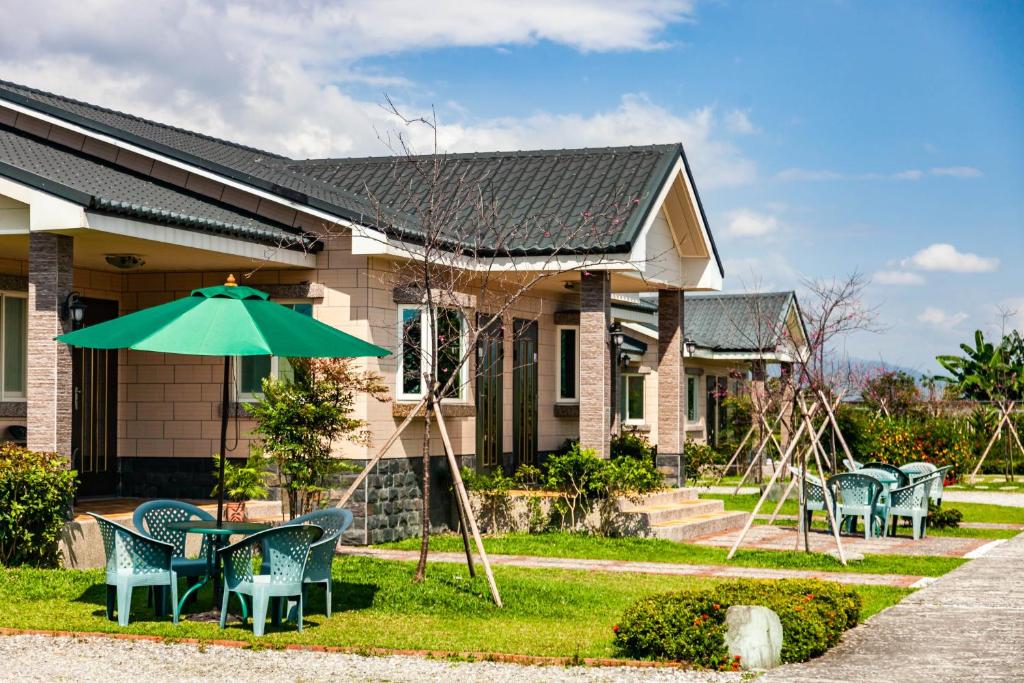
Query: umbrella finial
column 231, row 281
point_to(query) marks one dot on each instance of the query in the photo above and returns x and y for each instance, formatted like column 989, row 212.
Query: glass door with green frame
column 524, row 393
column 490, row 395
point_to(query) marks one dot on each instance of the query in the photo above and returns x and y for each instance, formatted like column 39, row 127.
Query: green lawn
column 547, row 612
column 659, row 550
column 973, row 512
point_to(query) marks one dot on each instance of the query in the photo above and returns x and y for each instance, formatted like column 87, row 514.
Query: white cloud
column 912, row 174
column 945, row 257
column 897, row 277
column 956, row 172
column 289, row 77
column 747, row 223
column 940, row 318
column 738, row 121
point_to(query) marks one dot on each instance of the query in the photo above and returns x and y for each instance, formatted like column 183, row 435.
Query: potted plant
column 243, row 482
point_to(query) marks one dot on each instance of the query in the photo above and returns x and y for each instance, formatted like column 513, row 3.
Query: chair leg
column 302, row 599
column 124, row 603
column 174, row 598
column 111, row 600
column 327, row 595
column 224, row 605
column 260, row 603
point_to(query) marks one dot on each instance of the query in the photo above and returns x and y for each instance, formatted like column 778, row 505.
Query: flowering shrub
column 690, row 625
column 940, row 441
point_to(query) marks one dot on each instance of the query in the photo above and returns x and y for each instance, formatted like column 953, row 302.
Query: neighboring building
column 735, row 340
column 126, row 213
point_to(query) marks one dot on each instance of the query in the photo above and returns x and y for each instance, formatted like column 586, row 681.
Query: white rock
column 755, row 634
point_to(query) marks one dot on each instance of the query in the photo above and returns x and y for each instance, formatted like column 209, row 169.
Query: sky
column 825, row 137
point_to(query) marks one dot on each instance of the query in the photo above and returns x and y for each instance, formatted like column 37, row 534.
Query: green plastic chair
column 852, row 465
column 284, row 551
column 815, row 496
column 334, row 522
column 856, row 495
column 135, row 560
column 902, row 477
column 911, row 501
column 151, row 518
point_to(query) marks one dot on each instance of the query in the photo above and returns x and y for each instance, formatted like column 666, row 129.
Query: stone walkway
column 1013, row 500
column 966, row 626
column 665, row 568
column 765, row 537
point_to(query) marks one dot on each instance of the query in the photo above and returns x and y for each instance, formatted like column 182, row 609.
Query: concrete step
column 698, row 525
column 674, row 512
column 666, row 497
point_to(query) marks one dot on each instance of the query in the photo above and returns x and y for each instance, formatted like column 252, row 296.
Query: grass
column 972, row 512
column 660, row 550
column 546, row 613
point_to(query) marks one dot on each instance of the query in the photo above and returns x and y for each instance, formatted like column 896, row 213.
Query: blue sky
column 825, row 136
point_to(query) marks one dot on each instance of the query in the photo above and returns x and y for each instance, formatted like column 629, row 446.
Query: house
column 733, row 343
column 103, row 213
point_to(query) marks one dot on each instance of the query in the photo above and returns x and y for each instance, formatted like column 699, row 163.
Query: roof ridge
column 524, row 153
column 723, row 295
column 5, row 85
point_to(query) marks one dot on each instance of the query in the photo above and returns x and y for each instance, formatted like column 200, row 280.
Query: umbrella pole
column 225, row 404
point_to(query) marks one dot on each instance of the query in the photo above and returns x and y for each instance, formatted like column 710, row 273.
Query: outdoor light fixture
column 125, row 261
column 73, row 309
column 690, row 345
column 616, row 331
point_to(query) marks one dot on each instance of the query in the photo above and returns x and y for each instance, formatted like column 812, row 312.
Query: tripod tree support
column 1005, row 410
column 830, row 509
column 792, row 482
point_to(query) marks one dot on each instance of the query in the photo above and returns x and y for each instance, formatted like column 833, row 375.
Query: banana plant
column 987, row 372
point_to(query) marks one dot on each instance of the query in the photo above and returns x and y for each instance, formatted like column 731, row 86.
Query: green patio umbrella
column 227, row 320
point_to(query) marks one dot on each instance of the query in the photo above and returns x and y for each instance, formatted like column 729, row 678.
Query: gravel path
column 103, row 660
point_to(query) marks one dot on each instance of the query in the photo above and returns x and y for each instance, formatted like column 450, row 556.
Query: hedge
column 36, row 493
column 690, row 625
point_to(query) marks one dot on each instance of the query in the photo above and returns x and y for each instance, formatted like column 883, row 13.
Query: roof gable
column 738, row 322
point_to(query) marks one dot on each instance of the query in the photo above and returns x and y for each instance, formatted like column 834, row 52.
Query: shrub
column 37, row 490
column 577, row 477
column 700, row 459
column 940, row 441
column 632, row 444
column 493, row 489
column 690, row 626
column 943, row 518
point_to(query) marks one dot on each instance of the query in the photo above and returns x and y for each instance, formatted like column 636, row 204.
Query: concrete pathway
column 1013, row 500
column 666, row 568
column 772, row 537
column 966, row 626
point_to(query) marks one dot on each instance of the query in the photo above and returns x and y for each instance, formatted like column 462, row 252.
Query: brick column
column 671, row 386
column 49, row 362
column 595, row 362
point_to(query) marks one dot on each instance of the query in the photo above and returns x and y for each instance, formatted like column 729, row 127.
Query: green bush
column 37, row 490
column 690, row 626
column 938, row 440
column 632, row 444
column 700, row 458
column 493, row 489
column 943, row 518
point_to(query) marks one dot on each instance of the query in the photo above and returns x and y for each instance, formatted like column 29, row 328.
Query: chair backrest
column 918, row 469
column 852, row 488
column 813, row 490
column 284, row 550
column 128, row 550
column 902, row 477
column 913, row 496
column 151, row 518
column 333, row 521
column 940, row 482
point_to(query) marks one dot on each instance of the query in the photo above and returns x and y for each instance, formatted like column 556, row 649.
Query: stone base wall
column 672, row 468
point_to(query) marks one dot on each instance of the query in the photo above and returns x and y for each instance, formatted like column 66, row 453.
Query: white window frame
column 12, row 396
column 626, row 419
column 275, row 361
column 428, row 336
column 558, row 364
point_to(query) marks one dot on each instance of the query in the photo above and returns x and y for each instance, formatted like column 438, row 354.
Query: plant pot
column 234, row 510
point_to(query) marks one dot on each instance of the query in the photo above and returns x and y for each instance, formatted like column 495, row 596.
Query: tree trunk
column 421, row 567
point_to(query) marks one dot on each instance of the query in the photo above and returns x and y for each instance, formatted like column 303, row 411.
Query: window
column 632, row 401
column 567, row 375
column 14, row 345
column 691, row 399
column 252, row 369
column 449, row 339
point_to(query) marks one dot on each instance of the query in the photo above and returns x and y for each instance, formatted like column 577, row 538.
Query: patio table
column 219, row 534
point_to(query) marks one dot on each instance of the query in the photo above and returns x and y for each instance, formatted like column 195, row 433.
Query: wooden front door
column 490, row 397
column 94, row 409
column 524, row 393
